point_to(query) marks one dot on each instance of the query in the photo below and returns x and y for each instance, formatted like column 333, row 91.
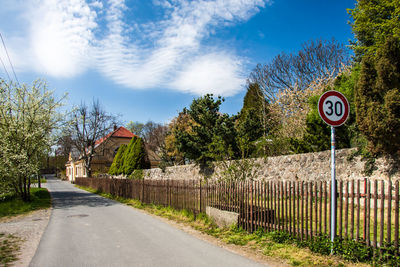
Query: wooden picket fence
column 367, row 211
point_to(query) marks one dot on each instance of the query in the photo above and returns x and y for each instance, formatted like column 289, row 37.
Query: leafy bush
column 130, row 158
column 320, row 244
column 352, row 250
column 136, row 174
column 135, row 156
column 118, row 161
column 281, row 237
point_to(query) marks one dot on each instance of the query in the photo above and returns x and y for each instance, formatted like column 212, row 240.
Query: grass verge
column 271, row 245
column 9, row 247
column 12, row 205
column 42, row 181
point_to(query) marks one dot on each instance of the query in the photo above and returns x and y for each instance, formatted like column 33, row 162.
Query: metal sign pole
column 333, row 188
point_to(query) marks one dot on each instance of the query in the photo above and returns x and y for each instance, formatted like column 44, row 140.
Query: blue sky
column 147, row 59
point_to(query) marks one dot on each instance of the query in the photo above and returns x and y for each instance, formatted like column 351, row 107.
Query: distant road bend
column 89, row 230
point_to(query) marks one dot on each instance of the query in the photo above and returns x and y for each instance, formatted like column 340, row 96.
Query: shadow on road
column 65, row 196
column 69, row 199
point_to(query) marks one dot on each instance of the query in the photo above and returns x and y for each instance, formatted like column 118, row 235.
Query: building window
column 115, row 151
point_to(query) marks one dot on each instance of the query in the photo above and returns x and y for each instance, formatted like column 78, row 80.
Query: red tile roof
column 120, row 132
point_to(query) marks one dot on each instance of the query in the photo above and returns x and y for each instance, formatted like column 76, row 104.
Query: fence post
column 142, row 190
column 201, row 199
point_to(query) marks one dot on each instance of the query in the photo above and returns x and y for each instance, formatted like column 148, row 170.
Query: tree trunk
column 22, row 189
column 88, row 168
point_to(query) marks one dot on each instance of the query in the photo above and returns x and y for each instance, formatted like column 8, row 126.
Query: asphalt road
column 88, row 230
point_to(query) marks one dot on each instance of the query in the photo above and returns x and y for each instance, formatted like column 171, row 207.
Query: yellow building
column 104, row 152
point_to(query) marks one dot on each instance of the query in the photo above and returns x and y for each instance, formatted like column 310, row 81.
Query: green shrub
column 137, row 175
column 135, row 156
column 352, row 250
column 320, row 244
column 118, row 161
column 281, row 237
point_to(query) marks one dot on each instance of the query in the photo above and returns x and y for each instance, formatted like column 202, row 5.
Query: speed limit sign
column 333, row 108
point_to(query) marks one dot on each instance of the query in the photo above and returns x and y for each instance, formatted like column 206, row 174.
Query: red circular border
column 346, row 109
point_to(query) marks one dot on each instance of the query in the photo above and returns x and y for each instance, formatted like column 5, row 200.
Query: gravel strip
column 29, row 228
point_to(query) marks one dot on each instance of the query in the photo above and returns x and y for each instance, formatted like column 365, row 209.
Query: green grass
column 9, row 247
column 12, row 205
column 259, row 242
column 42, row 181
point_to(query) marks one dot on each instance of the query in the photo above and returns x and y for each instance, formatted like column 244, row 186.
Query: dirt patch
column 29, row 228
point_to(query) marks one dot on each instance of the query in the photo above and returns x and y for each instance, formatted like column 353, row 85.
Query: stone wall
column 307, row 167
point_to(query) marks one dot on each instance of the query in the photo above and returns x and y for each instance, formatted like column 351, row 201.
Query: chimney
column 115, row 127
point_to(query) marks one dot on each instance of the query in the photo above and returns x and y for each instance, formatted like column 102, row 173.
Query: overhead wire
column 9, row 60
column 5, row 69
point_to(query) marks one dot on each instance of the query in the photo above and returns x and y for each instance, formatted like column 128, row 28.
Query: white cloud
column 61, row 35
column 216, row 73
column 63, row 41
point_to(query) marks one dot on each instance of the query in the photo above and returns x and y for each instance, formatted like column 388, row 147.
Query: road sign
column 333, row 108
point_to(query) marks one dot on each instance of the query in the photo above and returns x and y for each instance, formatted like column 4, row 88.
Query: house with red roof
column 105, row 149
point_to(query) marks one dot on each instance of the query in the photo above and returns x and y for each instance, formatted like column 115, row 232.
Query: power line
column 9, row 60
column 5, row 69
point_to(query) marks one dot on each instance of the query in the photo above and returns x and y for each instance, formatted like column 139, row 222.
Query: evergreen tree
column 377, row 98
column 373, row 22
column 204, row 115
column 135, row 157
column 254, row 98
column 118, row 161
column 251, row 124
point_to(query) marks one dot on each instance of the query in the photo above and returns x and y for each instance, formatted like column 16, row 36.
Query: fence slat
column 352, row 210
column 382, row 213
column 389, row 214
column 326, row 208
column 375, row 233
column 367, row 205
column 396, row 216
column 298, row 208
column 358, row 210
column 340, row 207
column 290, row 207
column 302, row 210
column 346, row 209
column 286, row 208
column 316, row 208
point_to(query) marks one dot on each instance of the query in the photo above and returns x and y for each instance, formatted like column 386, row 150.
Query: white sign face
column 333, row 108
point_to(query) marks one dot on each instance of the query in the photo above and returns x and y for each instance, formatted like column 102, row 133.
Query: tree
column 249, row 130
column 28, row 116
column 205, row 123
column 136, row 128
column 87, row 125
column 373, row 22
column 377, row 98
column 295, row 72
column 64, row 145
column 135, row 157
column 253, row 120
column 254, row 99
column 154, row 135
column 170, row 153
column 317, row 133
column 118, row 161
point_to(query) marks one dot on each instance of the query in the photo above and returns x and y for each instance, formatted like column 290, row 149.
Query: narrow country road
column 88, row 230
